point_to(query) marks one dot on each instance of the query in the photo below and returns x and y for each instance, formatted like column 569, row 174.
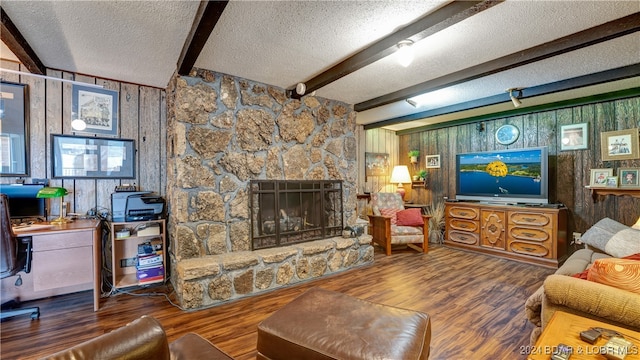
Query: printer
column 136, row 206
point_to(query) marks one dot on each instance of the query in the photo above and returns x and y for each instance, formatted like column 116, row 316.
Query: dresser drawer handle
column 529, row 234
column 464, row 226
column 463, row 213
column 529, row 219
column 529, row 249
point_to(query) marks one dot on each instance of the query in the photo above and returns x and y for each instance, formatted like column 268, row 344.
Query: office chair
column 15, row 256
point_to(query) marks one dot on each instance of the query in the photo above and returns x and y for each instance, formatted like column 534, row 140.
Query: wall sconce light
column 515, row 99
column 405, row 52
column 78, row 124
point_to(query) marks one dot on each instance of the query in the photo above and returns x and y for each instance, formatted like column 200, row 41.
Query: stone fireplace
column 225, row 133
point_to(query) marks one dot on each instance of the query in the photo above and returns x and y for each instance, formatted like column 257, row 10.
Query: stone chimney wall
column 224, row 131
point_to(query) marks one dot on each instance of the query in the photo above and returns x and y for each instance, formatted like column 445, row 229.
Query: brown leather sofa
column 143, row 338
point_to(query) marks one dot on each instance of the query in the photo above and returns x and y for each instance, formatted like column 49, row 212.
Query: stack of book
column 150, row 267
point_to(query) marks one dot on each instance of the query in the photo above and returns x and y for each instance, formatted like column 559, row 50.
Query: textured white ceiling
column 282, row 43
column 134, row 41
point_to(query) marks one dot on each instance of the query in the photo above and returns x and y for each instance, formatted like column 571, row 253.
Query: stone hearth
column 210, row 280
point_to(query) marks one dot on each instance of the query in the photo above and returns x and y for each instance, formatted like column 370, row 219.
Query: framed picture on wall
column 376, row 164
column 433, row 161
column 75, row 157
column 620, row 145
column 629, row 177
column 574, row 137
column 599, row 177
column 94, row 110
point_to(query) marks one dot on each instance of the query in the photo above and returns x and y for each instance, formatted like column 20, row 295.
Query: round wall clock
column 507, row 134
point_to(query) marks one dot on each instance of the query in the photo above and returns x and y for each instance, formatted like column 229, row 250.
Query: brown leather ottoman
column 322, row 324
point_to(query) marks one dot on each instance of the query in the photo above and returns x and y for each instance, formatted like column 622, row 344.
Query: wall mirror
column 14, row 130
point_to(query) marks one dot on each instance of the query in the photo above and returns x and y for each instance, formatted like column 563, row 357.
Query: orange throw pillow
column 410, row 217
column 620, row 273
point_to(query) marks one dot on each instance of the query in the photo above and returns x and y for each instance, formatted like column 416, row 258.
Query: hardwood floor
column 475, row 301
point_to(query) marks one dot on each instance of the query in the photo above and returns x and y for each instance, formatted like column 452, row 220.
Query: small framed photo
column 629, row 177
column 96, row 108
column 574, row 137
column 612, row 181
column 599, row 177
column 433, row 161
column 620, row 145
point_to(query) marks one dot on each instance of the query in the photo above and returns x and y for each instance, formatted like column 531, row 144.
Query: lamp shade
column 400, row 175
column 52, row 192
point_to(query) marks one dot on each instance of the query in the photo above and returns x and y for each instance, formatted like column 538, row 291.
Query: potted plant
column 422, row 175
column 413, row 154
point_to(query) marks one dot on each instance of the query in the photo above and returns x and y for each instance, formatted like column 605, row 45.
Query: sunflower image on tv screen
column 497, row 168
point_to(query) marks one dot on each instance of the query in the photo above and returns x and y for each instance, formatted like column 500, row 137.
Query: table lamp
column 54, row 192
column 400, row 175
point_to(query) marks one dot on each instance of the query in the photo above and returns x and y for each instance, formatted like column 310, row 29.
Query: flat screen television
column 23, row 202
column 504, row 176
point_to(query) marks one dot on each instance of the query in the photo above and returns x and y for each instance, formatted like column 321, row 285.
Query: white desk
column 66, row 258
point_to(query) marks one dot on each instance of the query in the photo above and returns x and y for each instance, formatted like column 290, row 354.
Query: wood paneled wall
column 569, row 170
column 142, row 117
column 376, row 141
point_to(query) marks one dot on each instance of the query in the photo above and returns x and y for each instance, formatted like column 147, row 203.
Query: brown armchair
column 144, row 338
column 387, row 234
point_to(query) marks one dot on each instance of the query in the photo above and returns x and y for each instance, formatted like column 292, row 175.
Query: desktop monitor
column 23, row 202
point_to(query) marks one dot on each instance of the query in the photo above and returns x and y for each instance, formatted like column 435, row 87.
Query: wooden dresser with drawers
column 532, row 234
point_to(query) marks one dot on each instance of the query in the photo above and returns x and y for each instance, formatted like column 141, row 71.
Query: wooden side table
column 565, row 328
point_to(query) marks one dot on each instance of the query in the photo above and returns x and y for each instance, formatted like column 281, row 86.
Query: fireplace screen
column 285, row 212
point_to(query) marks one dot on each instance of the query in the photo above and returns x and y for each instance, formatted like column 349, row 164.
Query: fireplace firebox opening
column 285, row 212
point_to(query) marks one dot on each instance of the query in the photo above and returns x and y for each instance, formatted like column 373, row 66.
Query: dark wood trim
column 611, row 30
column 11, row 36
column 563, row 85
column 205, row 20
column 427, row 25
column 615, row 95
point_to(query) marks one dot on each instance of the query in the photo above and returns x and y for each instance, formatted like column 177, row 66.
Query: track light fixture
column 515, row 99
column 405, row 52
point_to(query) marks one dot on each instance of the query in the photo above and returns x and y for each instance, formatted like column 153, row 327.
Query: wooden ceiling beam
column 430, row 24
column 207, row 16
column 624, row 72
column 11, row 36
column 601, row 33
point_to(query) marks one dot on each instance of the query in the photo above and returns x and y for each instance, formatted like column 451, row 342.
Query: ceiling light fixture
column 412, row 103
column 405, row 52
column 515, row 99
